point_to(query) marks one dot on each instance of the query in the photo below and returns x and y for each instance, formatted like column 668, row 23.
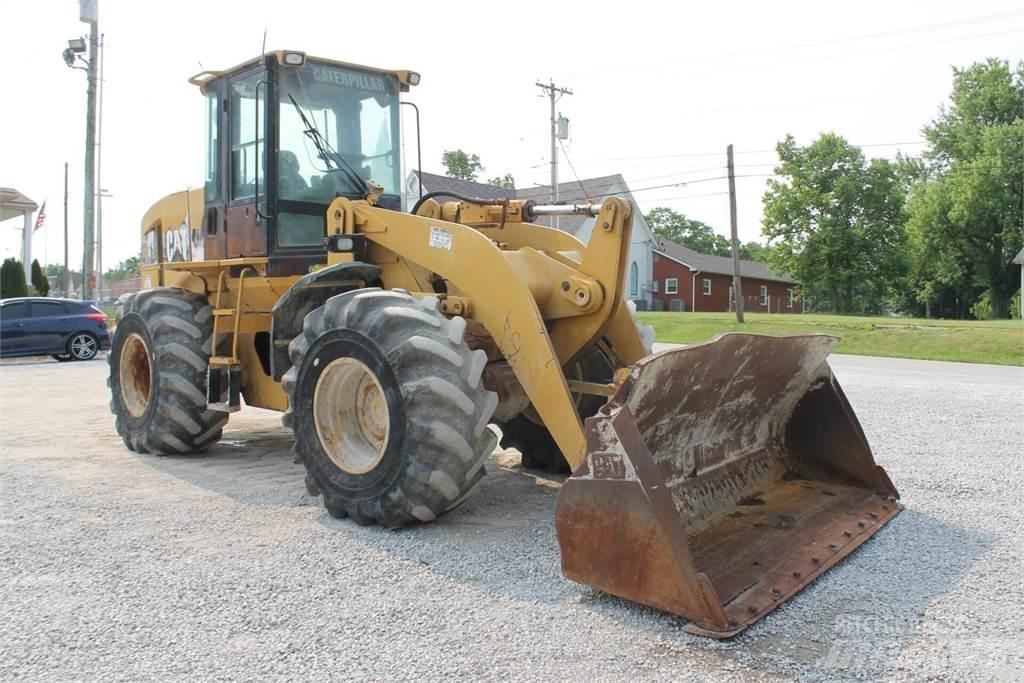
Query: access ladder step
column 224, row 388
column 224, row 312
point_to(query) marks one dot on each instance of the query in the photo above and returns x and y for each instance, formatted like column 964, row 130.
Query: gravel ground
column 115, row 565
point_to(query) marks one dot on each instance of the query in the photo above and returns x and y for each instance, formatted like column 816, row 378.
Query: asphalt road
column 115, row 565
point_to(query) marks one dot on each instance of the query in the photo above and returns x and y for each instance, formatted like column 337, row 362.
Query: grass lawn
column 973, row 341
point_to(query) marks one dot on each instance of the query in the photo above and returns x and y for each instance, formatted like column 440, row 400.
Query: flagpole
column 46, row 246
column 66, row 284
column 39, row 224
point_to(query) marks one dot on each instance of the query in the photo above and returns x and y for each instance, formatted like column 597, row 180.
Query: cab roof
column 405, row 77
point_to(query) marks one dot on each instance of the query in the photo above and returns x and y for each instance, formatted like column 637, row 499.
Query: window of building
column 707, row 286
column 671, row 285
column 789, row 298
column 634, row 280
column 764, row 295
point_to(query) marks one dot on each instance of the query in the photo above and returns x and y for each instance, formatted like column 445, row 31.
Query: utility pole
column 89, row 215
column 737, row 283
column 67, row 273
column 554, row 93
column 99, row 184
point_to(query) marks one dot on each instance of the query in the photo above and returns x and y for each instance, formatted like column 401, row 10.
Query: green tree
column 754, row 251
column 689, row 232
column 966, row 215
column 835, row 222
column 506, row 181
column 458, row 164
column 39, row 281
column 125, row 270
column 12, row 279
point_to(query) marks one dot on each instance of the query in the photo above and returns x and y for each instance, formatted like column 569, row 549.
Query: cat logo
column 350, row 79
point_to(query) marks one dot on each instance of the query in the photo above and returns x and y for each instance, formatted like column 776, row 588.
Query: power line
column 821, row 43
column 572, row 168
column 748, row 151
column 679, row 184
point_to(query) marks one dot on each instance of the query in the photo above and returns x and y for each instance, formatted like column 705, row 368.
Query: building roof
column 14, row 204
column 569, row 192
column 1019, row 258
column 722, row 265
column 441, row 183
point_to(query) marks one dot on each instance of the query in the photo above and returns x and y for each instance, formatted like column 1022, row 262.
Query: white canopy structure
column 14, row 204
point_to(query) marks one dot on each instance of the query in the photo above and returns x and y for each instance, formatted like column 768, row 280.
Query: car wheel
column 83, row 346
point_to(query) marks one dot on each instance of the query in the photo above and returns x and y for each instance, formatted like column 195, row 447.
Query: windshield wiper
column 328, row 153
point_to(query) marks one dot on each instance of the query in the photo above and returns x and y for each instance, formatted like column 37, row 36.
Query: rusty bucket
column 720, row 479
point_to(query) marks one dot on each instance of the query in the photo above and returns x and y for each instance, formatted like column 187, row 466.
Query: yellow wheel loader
column 713, row 481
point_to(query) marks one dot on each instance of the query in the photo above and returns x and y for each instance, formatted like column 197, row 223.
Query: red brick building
column 685, row 280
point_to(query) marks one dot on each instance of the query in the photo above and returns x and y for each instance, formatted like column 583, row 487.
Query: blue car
column 66, row 329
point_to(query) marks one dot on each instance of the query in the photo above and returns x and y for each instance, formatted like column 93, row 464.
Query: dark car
column 66, row 329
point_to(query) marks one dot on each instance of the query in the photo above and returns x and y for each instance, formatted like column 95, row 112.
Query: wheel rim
column 83, row 346
column 351, row 415
column 135, row 375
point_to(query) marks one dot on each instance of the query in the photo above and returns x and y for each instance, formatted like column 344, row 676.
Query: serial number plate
column 440, row 238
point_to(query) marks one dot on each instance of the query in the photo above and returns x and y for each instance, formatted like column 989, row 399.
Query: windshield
column 338, row 128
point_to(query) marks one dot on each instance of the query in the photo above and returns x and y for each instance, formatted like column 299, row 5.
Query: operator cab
column 285, row 135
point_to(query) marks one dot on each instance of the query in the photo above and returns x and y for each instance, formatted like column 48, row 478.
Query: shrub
column 12, row 279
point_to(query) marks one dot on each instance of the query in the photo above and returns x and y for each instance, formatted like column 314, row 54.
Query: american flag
column 41, row 218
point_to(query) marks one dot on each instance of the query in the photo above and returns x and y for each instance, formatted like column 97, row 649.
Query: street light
column 76, row 46
column 89, row 13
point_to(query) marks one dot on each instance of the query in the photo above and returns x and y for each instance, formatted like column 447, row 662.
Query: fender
column 310, row 292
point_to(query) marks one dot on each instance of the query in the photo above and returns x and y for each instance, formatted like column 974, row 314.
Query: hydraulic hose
column 460, row 197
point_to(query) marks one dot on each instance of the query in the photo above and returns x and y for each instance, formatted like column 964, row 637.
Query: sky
column 658, row 90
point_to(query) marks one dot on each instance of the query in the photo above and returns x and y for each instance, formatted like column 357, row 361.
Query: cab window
column 212, row 125
column 247, row 145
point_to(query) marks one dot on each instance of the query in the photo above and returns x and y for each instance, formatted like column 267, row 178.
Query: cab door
column 246, row 206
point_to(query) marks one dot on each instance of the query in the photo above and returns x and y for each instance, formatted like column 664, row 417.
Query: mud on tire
column 437, row 409
column 157, row 380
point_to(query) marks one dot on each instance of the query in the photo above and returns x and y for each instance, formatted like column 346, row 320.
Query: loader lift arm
column 514, row 292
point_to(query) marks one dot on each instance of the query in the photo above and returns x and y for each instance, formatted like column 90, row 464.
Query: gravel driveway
column 115, row 565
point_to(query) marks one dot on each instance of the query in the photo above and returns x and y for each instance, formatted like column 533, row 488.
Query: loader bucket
column 720, row 479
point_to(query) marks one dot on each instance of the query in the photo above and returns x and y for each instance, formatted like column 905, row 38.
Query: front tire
column 387, row 406
column 158, row 361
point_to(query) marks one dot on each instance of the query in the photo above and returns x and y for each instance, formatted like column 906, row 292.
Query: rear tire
column 527, row 434
column 387, row 406
column 158, row 361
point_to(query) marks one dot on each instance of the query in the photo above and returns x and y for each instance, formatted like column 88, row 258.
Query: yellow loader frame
column 541, row 294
